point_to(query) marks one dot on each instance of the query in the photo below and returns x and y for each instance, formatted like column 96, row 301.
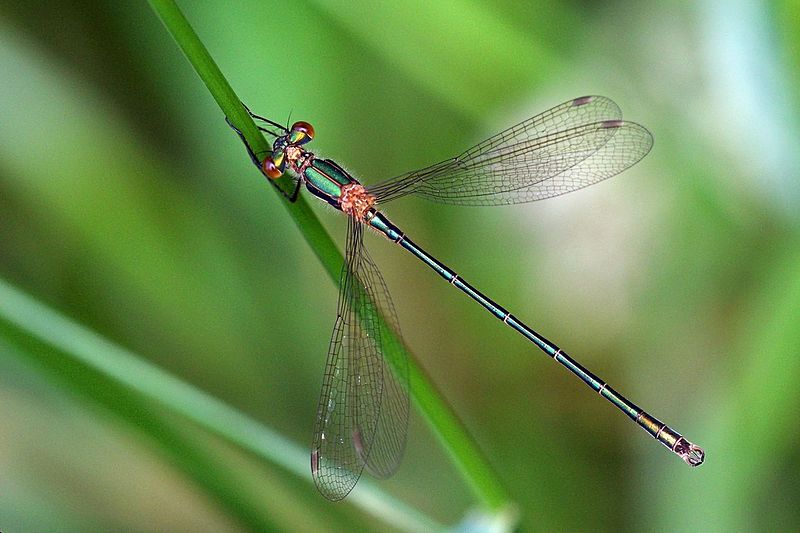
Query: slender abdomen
column 691, row 453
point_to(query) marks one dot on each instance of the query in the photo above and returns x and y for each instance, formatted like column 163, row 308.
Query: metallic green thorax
column 324, row 179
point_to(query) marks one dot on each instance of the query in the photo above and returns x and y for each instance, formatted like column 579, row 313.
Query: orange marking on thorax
column 355, row 200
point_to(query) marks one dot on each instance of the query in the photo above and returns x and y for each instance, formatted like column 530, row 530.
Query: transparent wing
column 362, row 417
column 571, row 146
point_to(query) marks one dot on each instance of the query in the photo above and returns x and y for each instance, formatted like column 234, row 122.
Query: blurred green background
column 128, row 205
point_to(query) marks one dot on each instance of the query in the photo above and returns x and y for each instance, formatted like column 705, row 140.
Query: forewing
column 362, row 417
column 566, row 148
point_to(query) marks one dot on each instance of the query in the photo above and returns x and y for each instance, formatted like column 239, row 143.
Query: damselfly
column 362, row 414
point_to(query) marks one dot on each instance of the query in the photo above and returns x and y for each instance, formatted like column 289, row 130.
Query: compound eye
column 271, row 169
column 304, row 127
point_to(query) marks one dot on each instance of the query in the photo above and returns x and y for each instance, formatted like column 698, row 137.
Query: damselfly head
column 274, row 165
column 301, row 133
column 287, row 147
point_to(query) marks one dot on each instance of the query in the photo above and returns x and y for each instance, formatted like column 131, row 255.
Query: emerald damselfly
column 362, row 415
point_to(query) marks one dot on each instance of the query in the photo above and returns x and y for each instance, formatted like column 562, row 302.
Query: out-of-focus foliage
column 127, row 204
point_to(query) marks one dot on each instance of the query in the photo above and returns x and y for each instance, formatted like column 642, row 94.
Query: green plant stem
column 452, row 434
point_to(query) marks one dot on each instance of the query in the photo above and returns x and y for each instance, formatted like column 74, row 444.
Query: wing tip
column 583, row 100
